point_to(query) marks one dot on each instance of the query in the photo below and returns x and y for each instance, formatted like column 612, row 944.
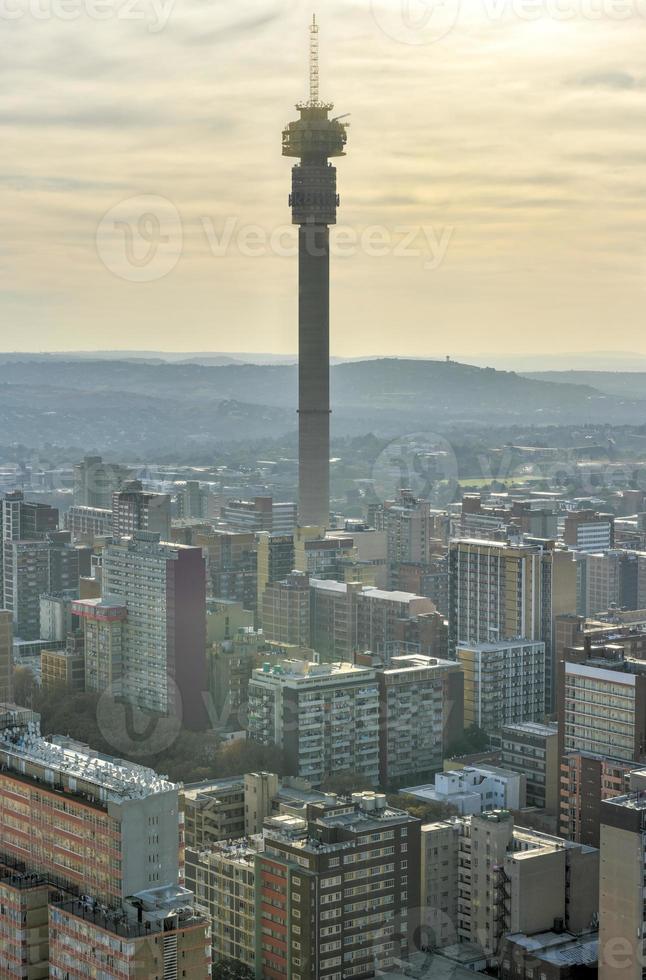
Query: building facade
column 504, row 683
column 163, row 588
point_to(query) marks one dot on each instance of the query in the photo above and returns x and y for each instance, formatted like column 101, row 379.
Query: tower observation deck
column 314, row 139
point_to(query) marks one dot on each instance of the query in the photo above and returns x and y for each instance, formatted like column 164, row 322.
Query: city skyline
column 515, row 133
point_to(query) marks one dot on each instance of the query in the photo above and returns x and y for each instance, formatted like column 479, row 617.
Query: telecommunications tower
column 314, row 139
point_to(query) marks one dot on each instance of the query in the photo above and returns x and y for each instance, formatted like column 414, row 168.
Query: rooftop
column 531, row 728
column 115, row 779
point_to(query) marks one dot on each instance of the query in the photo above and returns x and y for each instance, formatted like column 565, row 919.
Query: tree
column 247, row 756
column 427, row 811
column 25, row 689
column 232, row 970
column 346, row 782
column 473, row 740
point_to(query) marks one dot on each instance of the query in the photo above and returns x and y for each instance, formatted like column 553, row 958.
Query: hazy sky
column 493, row 196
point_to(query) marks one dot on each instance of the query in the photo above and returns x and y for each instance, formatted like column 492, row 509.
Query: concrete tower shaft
column 314, row 139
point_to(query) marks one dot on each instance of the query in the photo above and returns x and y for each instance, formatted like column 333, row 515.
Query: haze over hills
column 622, row 384
column 523, row 363
column 150, row 405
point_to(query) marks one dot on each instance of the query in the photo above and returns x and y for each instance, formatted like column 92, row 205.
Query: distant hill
column 143, row 405
column 621, row 384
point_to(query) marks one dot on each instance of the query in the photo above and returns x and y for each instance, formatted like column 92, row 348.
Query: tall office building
column 313, row 139
column 163, row 588
column 96, row 481
column 136, row 509
column 408, row 526
column 588, row 531
column 499, row 591
column 260, row 514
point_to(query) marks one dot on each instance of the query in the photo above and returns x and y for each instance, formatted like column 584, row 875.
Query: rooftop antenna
column 314, row 62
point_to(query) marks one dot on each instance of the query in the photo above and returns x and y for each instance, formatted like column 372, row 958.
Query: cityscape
column 323, row 666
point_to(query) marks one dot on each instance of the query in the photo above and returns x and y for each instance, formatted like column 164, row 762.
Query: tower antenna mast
column 314, row 62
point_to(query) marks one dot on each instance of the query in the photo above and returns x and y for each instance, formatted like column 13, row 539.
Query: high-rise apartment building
column 231, row 664
column 347, row 617
column 24, row 933
column 325, row 717
column 275, row 561
column 95, row 481
column 532, row 749
column 6, row 656
column 337, row 892
column 232, row 564
column 421, row 711
column 25, row 560
column 85, row 821
column 622, row 915
column 504, row 683
column 602, row 708
column 104, row 625
column 135, row 509
column 409, row 529
column 223, row 879
column 286, row 610
column 586, row 781
column 163, row 588
column 499, row 591
column 26, row 578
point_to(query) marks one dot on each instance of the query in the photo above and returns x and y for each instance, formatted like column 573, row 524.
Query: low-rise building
column 474, row 790
column 489, row 878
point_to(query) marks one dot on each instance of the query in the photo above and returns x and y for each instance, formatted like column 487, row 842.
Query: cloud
column 619, row 81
